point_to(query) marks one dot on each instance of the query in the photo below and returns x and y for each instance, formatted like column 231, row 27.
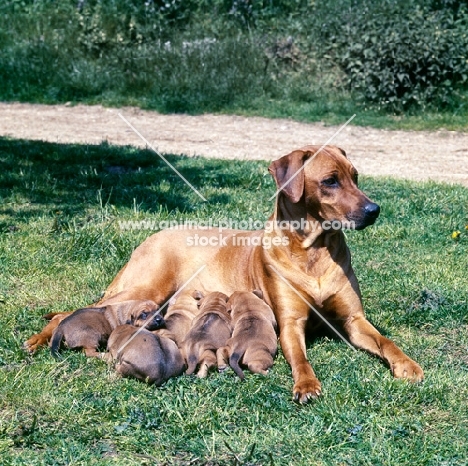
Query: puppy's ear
column 258, row 293
column 289, row 175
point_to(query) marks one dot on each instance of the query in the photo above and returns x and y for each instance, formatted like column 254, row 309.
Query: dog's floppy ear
column 289, row 175
column 258, row 293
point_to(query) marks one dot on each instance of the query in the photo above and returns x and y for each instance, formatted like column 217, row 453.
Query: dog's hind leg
column 92, row 353
column 207, row 362
column 260, row 366
column 222, row 358
column 42, row 338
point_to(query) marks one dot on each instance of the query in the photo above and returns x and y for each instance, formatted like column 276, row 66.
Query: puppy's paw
column 203, row 372
column 32, row 344
column 258, row 367
column 222, row 367
column 306, row 389
column 407, row 369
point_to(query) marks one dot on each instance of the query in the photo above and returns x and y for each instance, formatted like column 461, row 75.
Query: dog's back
column 210, row 331
column 85, row 329
column 179, row 318
column 254, row 340
column 145, row 355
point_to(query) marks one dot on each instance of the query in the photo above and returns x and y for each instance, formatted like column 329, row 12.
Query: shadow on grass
column 41, row 178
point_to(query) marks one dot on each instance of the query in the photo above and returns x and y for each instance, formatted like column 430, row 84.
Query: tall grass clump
column 125, row 50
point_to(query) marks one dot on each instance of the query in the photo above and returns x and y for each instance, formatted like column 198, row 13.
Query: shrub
column 402, row 57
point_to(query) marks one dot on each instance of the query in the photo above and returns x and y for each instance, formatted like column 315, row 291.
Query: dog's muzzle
column 366, row 216
column 155, row 322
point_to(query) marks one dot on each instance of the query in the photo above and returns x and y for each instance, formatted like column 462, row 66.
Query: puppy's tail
column 56, row 342
column 192, row 362
column 234, row 363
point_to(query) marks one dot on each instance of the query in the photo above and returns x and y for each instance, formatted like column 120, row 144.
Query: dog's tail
column 192, row 362
column 56, row 342
column 234, row 363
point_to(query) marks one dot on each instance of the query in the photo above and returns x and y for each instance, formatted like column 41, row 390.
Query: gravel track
column 417, row 155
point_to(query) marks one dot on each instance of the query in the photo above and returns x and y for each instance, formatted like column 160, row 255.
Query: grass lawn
column 60, row 246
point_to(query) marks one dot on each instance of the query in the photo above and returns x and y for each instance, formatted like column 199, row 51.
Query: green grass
column 61, row 246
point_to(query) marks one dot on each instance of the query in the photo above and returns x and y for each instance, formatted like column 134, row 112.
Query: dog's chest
column 322, row 276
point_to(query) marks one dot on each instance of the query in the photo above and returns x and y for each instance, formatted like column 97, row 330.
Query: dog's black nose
column 156, row 322
column 372, row 210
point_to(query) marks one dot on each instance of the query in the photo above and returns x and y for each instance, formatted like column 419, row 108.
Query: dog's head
column 140, row 313
column 212, row 300
column 326, row 182
column 243, row 302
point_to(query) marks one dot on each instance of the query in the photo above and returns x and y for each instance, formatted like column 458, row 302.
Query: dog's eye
column 143, row 316
column 332, row 181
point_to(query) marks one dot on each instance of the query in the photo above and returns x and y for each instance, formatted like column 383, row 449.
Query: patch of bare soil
column 416, row 155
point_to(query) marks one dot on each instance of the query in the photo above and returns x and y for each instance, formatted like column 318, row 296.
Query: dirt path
column 418, row 155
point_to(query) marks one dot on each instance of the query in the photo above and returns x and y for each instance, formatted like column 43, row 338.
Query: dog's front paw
column 407, row 369
column 32, row 344
column 307, row 389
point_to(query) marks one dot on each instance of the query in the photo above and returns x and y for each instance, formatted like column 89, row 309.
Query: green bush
column 401, row 57
column 302, row 58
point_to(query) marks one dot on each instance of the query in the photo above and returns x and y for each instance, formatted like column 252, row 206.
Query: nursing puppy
column 89, row 328
column 144, row 355
column 254, row 341
column 210, row 330
column 179, row 317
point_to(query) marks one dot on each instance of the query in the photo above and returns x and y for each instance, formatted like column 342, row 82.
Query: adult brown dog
column 144, row 355
column 253, row 342
column 90, row 328
column 209, row 331
column 305, row 266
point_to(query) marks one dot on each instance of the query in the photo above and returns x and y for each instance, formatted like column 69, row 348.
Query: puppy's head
column 326, row 183
column 147, row 315
column 242, row 301
column 140, row 313
column 212, row 300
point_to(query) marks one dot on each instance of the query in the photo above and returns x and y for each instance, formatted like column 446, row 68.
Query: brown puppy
column 89, row 328
column 300, row 262
column 254, row 342
column 144, row 355
column 209, row 331
column 178, row 319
